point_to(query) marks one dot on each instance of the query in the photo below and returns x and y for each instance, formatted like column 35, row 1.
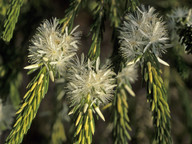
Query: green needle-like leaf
column 28, row 109
column 120, row 118
column 11, row 20
column 97, row 30
column 157, row 97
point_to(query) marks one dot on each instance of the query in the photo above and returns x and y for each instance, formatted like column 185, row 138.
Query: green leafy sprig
column 121, row 119
column 97, row 30
column 114, row 14
column 186, row 38
column 157, row 97
column 131, row 5
column 84, row 120
column 11, row 19
column 70, row 14
column 38, row 87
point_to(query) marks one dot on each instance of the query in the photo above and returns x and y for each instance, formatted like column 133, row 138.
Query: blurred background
column 52, row 116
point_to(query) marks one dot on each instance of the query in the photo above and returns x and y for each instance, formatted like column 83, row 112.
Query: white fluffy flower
column 179, row 17
column 51, row 47
column 128, row 73
column 178, row 13
column 87, row 77
column 179, row 22
column 142, row 31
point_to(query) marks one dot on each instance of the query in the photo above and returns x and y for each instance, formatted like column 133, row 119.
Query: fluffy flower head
column 89, row 78
column 180, row 26
column 128, row 73
column 177, row 19
column 141, row 32
column 50, row 46
column 181, row 15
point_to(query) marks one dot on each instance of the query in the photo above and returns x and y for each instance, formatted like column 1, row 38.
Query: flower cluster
column 142, row 32
column 88, row 78
column 51, row 47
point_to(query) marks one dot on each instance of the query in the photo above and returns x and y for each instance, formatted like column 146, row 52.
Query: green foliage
column 84, row 122
column 3, row 8
column 58, row 133
column 179, row 62
column 186, row 38
column 157, row 97
column 131, row 5
column 37, row 89
column 70, row 14
column 114, row 14
column 97, row 29
column 182, row 67
column 11, row 19
column 14, row 90
column 121, row 119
